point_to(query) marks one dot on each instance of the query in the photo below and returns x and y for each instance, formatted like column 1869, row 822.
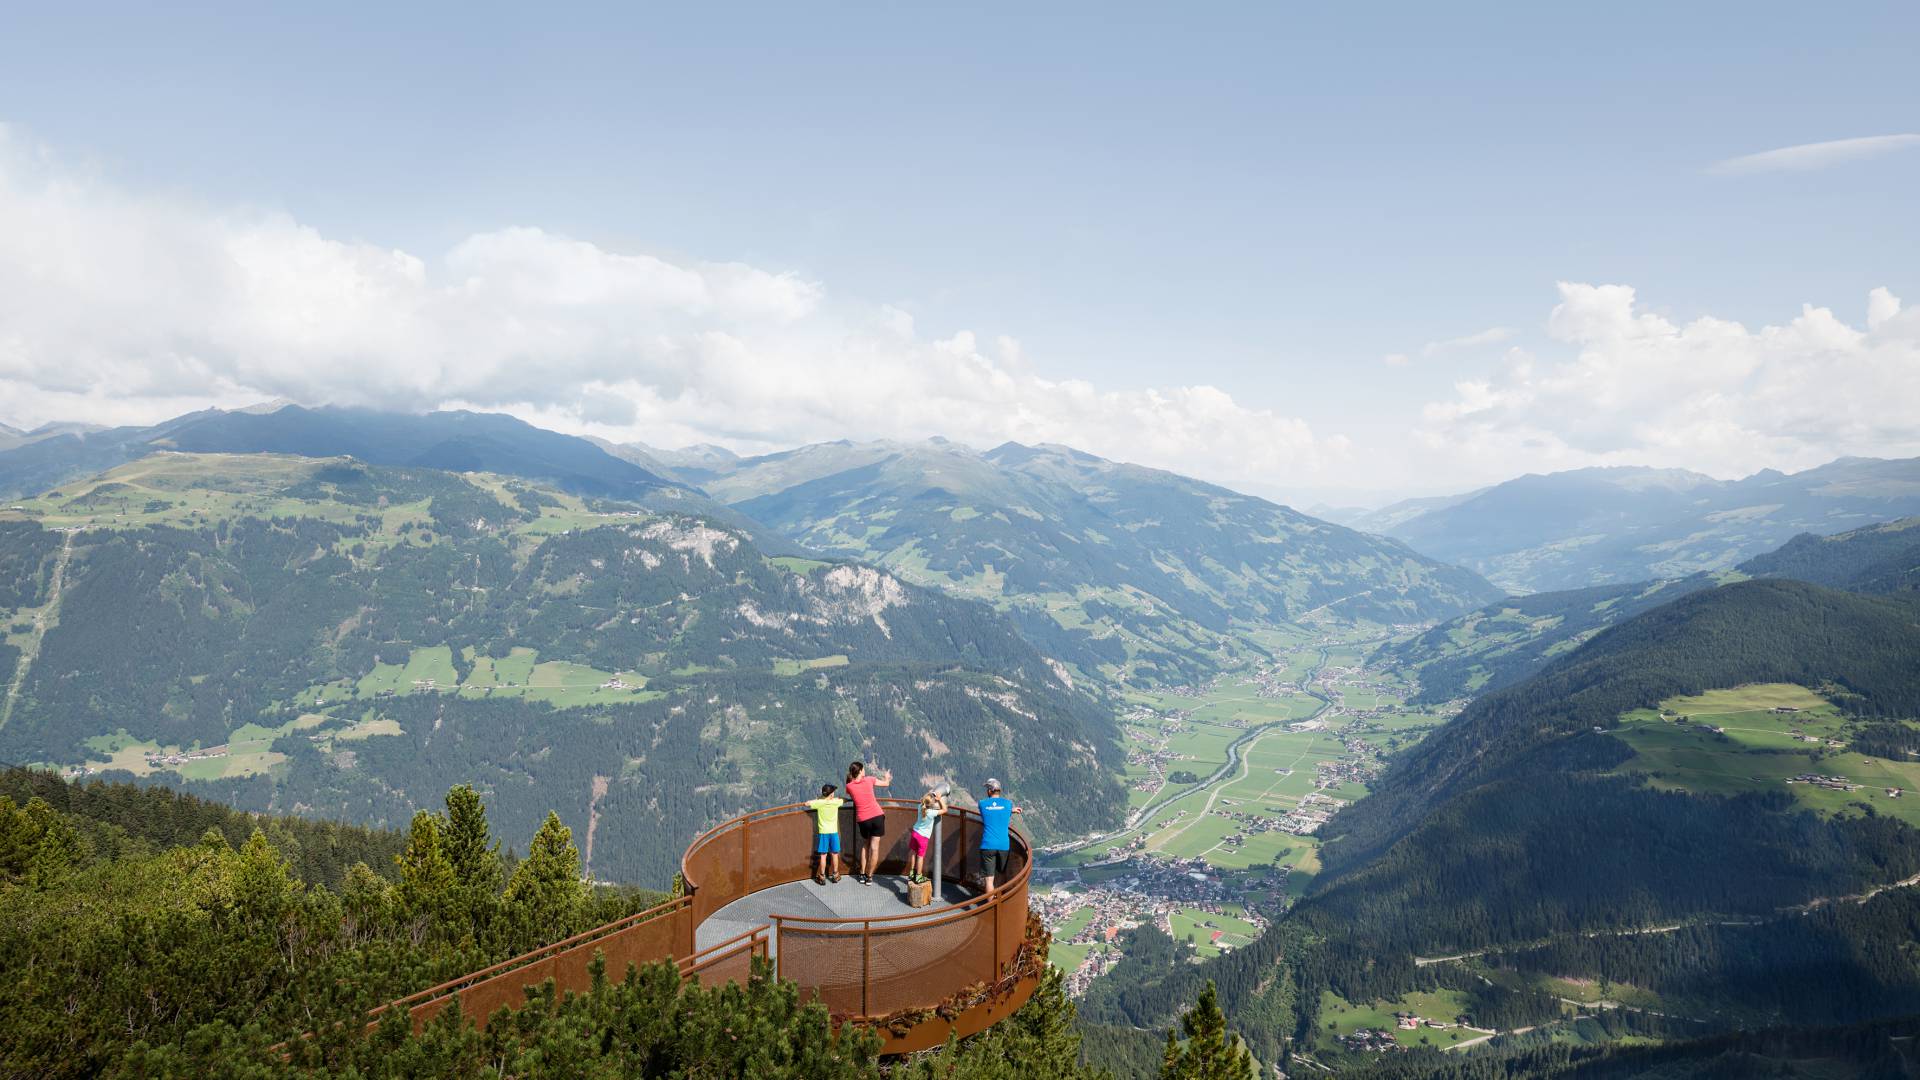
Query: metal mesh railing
column 663, row 932
column 730, row 961
column 869, row 967
column 859, row 968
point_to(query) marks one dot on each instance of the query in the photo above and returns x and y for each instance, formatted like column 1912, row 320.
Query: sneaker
column 866, row 879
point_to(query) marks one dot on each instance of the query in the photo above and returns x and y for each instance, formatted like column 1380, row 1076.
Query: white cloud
column 1807, row 157
column 1634, row 387
column 119, row 308
column 1492, row 335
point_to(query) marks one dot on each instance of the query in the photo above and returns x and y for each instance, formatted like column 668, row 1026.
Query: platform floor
column 845, row 899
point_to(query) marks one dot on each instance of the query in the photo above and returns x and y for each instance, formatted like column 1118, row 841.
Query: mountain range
column 1614, row 526
column 331, row 637
column 1118, row 570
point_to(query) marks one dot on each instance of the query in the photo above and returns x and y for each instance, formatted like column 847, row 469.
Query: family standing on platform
column 870, row 823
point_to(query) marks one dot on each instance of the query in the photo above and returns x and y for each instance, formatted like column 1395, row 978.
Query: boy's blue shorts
column 826, row 843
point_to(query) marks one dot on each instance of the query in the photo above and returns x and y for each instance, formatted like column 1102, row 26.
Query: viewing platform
column 913, row 975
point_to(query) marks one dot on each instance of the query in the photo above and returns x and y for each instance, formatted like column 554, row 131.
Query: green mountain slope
column 1882, row 559
column 344, row 639
column 1511, row 640
column 1625, row 835
column 1544, row 831
column 1609, row 526
column 1114, row 568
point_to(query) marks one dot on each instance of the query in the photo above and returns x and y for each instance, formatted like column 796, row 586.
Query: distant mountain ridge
column 1114, row 568
column 1509, row 640
column 458, row 441
column 1617, row 525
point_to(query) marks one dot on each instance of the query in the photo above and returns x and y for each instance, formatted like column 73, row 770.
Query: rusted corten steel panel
column 865, row 971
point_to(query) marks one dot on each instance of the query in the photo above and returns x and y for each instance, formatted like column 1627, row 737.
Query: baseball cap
column 992, row 784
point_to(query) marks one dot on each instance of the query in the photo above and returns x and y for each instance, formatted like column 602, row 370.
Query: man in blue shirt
column 996, row 814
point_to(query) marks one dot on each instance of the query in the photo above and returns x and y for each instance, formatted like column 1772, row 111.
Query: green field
column 1759, row 750
column 1068, row 958
column 121, row 751
column 795, row 667
column 1075, row 923
column 1198, row 927
column 430, row 670
column 425, row 671
column 1339, row 1017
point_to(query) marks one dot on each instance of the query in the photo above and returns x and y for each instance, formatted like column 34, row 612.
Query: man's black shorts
column 874, row 826
column 994, row 863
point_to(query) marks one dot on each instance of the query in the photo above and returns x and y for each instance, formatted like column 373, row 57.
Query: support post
column 939, row 828
column 866, row 966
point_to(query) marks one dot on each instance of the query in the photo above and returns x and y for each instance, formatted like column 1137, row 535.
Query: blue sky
column 1257, row 199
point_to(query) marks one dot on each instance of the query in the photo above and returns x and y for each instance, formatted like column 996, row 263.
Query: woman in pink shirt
column 868, row 817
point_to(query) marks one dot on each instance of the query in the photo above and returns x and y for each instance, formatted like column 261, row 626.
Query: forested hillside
column 1532, row 748
column 344, row 639
column 134, row 946
column 1513, row 639
column 1625, row 818
column 1117, row 569
column 1882, row 559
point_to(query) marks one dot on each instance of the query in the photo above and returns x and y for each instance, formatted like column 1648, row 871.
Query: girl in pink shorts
column 932, row 805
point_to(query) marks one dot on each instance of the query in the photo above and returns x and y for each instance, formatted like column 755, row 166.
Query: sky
column 1336, row 255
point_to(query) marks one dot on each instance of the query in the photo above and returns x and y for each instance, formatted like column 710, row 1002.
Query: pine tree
column 1041, row 1041
column 546, row 896
column 474, row 857
column 1210, row 1051
column 426, row 879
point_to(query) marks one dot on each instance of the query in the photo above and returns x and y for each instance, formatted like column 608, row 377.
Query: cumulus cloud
column 1807, row 157
column 1630, row 386
column 120, row 308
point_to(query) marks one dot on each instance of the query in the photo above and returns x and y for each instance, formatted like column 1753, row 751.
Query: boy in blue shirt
column 996, row 814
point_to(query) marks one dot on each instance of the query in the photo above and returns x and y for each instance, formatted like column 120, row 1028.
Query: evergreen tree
column 426, row 878
column 1041, row 1041
column 546, row 894
column 474, row 857
column 1210, row 1051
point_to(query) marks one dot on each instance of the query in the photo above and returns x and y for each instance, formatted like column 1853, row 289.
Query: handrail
column 1000, row 893
column 536, row 955
column 986, row 899
column 694, row 960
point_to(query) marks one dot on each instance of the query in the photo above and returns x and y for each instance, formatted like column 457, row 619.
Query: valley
column 1228, row 786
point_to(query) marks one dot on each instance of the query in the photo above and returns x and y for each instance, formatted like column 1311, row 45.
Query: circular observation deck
column 912, row 974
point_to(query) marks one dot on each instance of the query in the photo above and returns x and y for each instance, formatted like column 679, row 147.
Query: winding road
column 48, row 611
column 1234, row 760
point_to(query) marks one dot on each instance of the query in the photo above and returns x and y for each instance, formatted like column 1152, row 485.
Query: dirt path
column 593, row 820
column 43, row 620
column 1488, row 1035
column 1815, row 904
